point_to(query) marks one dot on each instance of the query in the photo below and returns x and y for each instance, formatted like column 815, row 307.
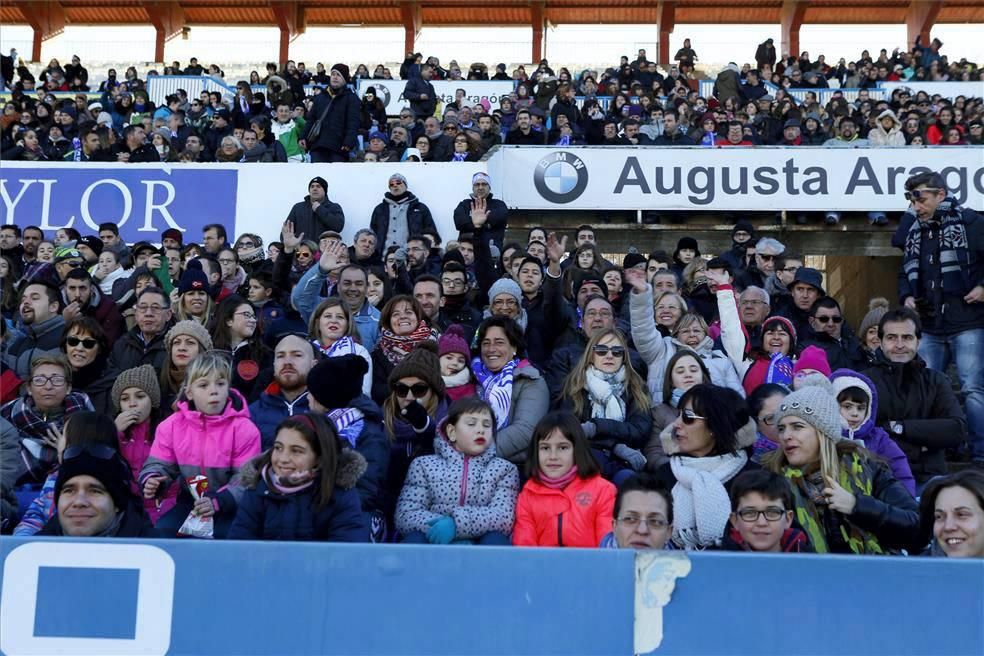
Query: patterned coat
column 477, row 492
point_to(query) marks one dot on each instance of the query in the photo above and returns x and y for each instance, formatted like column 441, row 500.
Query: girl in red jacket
column 566, row 502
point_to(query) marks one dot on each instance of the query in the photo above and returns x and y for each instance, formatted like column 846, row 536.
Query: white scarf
column 463, row 377
column 605, row 393
column 701, row 505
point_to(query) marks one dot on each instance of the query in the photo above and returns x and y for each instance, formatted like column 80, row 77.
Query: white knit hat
column 815, row 404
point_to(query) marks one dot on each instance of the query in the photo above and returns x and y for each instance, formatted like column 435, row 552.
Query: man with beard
column 43, row 327
column 427, row 290
column 287, row 395
column 83, row 298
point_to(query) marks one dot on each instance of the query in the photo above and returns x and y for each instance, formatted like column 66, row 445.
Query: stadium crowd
column 418, row 387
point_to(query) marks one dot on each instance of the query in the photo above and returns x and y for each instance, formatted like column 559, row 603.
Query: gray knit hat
column 143, row 377
column 506, row 286
column 192, row 328
column 877, row 308
column 815, row 404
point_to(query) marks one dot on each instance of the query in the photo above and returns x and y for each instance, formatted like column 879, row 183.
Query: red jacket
column 580, row 515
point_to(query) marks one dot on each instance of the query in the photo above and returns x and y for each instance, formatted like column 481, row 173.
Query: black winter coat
column 923, row 401
column 633, row 432
column 328, row 216
column 417, row 86
column 566, row 358
column 340, row 128
column 494, row 227
column 845, row 353
column 419, row 220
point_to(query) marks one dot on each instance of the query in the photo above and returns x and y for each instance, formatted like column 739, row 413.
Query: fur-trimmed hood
column 351, row 466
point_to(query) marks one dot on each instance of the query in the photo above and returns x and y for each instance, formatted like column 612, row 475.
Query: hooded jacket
column 922, row 400
column 579, row 515
column 267, row 514
column 477, row 492
column 879, row 136
column 874, row 438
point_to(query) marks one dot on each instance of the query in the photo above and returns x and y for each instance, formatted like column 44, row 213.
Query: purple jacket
column 874, row 437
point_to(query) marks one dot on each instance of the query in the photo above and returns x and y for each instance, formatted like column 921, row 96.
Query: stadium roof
column 170, row 17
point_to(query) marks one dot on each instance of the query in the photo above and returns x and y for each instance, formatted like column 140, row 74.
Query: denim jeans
column 967, row 350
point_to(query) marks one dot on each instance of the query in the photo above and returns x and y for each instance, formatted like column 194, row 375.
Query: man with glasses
column 82, row 298
column 753, row 308
column 762, row 516
column 399, row 215
column 39, row 414
column 777, row 285
column 144, row 343
column 408, row 120
column 316, row 213
column 455, row 304
column 42, row 327
column 830, row 332
column 643, row 515
column 767, row 250
column 67, row 259
column 942, row 278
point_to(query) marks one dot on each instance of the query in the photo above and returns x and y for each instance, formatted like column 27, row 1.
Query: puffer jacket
column 633, row 431
column 418, row 217
column 879, row 136
column 189, row 443
column 477, row 492
column 875, row 438
column 39, row 339
column 272, row 408
column 657, row 350
column 580, row 515
column 267, row 514
column 530, row 401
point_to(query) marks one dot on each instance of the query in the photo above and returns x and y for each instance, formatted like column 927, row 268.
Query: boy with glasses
column 762, row 516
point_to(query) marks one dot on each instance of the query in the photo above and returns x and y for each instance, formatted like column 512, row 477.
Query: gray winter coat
column 530, row 401
column 479, row 493
column 657, row 350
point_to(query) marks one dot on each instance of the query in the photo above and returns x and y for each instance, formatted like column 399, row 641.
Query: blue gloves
column 441, row 531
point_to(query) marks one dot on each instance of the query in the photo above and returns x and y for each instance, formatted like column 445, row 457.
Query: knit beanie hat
column 688, row 242
column 334, row 382
column 506, row 286
column 192, row 328
column 453, row 341
column 786, row 323
column 582, row 280
column 193, row 280
column 815, row 404
column 143, row 377
column 813, row 357
column 877, row 309
column 93, row 242
column 743, row 226
column 343, row 70
column 318, row 180
column 112, row 472
column 422, row 363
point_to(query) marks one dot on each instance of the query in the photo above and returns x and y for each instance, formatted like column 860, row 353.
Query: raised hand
column 332, row 257
column 479, row 213
column 287, row 237
column 637, row 279
column 555, row 248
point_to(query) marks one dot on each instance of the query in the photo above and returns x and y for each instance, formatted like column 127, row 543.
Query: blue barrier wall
column 187, row 597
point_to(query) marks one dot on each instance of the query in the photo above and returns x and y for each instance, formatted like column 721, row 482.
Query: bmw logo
column 561, row 177
column 381, row 92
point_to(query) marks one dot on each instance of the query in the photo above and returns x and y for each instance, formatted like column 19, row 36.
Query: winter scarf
column 344, row 346
column 289, row 485
column 459, row 157
column 349, row 423
column 953, row 249
column 521, row 320
column 496, row 388
column 396, row 347
column 255, row 255
column 780, row 370
column 463, row 377
column 701, row 505
column 560, row 482
column 812, row 512
column 605, row 393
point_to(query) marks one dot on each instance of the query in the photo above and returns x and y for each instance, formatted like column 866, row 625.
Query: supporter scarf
column 816, row 518
column 343, row 346
column 496, row 388
column 349, row 423
column 701, row 505
column 954, row 255
column 780, row 370
column 605, row 393
column 560, row 482
column 396, row 347
column 459, row 157
column 290, row 484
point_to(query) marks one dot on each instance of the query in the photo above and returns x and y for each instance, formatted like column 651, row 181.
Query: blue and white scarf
column 496, row 388
column 344, row 346
column 349, row 423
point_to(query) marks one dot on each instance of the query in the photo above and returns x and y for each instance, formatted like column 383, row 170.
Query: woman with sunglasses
column 252, row 256
column 708, row 449
column 683, row 371
column 235, row 332
column 610, row 400
column 417, row 403
column 85, row 345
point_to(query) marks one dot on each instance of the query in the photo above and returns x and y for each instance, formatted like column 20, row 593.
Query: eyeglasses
column 451, row 283
column 505, row 302
column 248, row 316
column 826, row 320
column 790, row 269
column 86, row 343
column 689, row 416
column 604, row 349
column 42, row 381
column 305, row 255
column 752, row 303
column 598, row 314
column 768, row 420
column 772, row 514
column 450, row 128
column 226, row 260
column 653, row 523
column 150, row 309
column 918, row 194
column 419, row 390
column 396, row 183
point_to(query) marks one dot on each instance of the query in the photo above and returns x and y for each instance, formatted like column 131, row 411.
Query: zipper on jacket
column 464, row 483
column 560, row 530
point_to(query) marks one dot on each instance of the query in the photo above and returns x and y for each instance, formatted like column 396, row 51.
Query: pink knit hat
column 453, row 341
column 814, row 358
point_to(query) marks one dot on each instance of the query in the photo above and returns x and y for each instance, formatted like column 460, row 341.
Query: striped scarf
column 349, row 423
column 344, row 346
column 954, row 257
column 496, row 388
column 396, row 347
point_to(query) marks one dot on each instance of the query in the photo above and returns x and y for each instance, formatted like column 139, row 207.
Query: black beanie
column 112, row 472
column 319, row 181
column 745, row 226
column 343, row 70
column 334, row 382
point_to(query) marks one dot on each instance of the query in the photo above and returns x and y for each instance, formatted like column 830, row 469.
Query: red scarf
column 396, row 347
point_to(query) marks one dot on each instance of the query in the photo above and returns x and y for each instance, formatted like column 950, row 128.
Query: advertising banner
column 391, row 92
column 762, row 178
column 146, row 199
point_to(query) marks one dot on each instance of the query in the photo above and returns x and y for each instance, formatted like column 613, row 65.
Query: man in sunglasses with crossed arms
column 830, row 332
column 942, row 278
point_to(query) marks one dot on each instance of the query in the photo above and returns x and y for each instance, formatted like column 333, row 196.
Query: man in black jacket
column 480, row 214
column 400, row 215
column 338, row 112
column 830, row 332
column 316, row 214
column 134, row 147
column 523, row 133
column 419, row 91
column 916, row 406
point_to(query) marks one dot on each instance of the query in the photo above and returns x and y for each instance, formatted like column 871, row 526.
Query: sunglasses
column 826, row 320
column 419, row 390
column 86, row 343
column 918, row 194
column 689, row 416
column 97, row 451
column 767, row 258
column 603, row 349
